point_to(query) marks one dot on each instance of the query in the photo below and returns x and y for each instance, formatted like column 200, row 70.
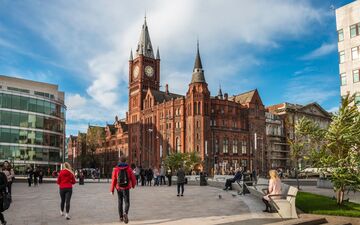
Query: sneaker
column 178, row 195
column 67, row 216
column 61, row 213
column 182, row 195
column 126, row 219
column 121, row 219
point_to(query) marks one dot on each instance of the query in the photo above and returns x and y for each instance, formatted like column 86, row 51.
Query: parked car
column 314, row 172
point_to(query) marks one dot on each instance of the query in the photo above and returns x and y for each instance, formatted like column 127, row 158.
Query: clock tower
column 144, row 73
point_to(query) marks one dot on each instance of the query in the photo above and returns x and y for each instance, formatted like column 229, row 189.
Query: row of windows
column 19, row 136
column 28, row 153
column 355, row 76
column 30, row 121
column 235, row 144
column 354, row 31
column 31, row 104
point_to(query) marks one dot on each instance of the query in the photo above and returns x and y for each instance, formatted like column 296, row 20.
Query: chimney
column 167, row 89
column 226, row 96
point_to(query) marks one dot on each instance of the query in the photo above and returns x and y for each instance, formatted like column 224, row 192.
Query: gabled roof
column 283, row 107
column 244, row 97
column 161, row 96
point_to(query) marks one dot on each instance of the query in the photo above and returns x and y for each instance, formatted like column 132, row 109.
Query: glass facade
column 32, row 128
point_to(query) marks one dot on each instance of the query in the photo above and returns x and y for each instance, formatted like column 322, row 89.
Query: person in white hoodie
column 10, row 175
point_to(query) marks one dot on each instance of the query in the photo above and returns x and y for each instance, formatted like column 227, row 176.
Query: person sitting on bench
column 228, row 182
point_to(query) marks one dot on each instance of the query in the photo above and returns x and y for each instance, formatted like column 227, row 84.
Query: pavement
column 93, row 204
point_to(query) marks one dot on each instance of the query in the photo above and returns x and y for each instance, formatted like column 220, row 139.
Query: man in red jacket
column 123, row 179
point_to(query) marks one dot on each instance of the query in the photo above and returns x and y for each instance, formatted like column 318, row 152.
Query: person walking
column 123, row 179
column 180, row 181
column 66, row 180
column 162, row 175
column 41, row 175
column 273, row 189
column 10, row 175
column 156, row 177
column 142, row 176
column 169, row 175
column 3, row 186
column 36, row 175
column 137, row 174
column 29, row 174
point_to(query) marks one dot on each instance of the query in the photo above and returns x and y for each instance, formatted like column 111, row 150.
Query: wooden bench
column 284, row 203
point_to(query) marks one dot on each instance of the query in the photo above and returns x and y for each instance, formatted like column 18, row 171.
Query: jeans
column 9, row 188
column 137, row 179
column 29, row 181
column 65, row 195
column 228, row 183
column 162, row 179
column 181, row 185
column 2, row 219
column 123, row 195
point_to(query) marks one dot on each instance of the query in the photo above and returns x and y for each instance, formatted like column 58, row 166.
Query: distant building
column 348, row 29
column 32, row 123
column 226, row 131
column 280, row 128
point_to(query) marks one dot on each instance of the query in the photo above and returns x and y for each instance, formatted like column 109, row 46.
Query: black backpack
column 123, row 178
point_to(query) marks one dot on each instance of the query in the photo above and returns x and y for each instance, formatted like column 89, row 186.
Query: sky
column 286, row 49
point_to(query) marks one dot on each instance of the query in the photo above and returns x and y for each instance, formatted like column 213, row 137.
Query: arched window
column 177, row 144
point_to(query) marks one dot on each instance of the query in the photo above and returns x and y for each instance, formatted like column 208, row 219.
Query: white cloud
column 74, row 101
column 94, row 39
column 306, row 89
column 324, row 49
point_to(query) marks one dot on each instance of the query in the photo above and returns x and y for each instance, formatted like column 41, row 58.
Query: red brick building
column 221, row 128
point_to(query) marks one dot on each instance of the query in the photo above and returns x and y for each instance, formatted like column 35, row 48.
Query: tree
column 307, row 139
column 95, row 138
column 189, row 160
column 337, row 149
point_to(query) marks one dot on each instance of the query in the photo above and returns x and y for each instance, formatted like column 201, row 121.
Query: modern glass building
column 32, row 123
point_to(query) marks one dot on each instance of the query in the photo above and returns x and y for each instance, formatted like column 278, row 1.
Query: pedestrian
column 123, row 179
column 66, row 180
column 180, row 181
column 29, row 173
column 149, row 176
column 254, row 176
column 273, row 189
column 3, row 186
column 162, row 175
column 36, row 175
column 41, row 175
column 142, row 176
column 10, row 175
column 81, row 177
column 169, row 175
column 137, row 174
column 156, row 177
column 230, row 181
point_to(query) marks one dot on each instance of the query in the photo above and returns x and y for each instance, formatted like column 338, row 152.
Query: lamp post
column 256, row 138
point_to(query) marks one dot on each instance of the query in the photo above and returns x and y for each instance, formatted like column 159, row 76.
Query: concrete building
column 281, row 128
column 348, row 29
column 225, row 130
column 32, row 123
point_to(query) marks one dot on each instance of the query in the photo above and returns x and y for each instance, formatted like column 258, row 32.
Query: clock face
column 136, row 72
column 149, row 71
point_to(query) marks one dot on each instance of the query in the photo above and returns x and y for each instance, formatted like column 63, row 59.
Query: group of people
column 146, row 176
column 7, row 177
column 34, row 175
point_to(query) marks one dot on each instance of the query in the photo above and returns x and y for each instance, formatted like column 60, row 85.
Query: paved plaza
column 93, row 204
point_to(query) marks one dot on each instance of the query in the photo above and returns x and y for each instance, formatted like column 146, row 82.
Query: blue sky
column 286, row 49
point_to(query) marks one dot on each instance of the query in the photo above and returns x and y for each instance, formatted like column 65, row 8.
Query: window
column 356, row 76
column 340, row 35
column 342, row 56
column 216, row 146
column 235, row 147
column 357, row 99
column 225, row 146
column 243, row 147
column 354, row 30
column 177, row 144
column 355, row 53
column 343, row 79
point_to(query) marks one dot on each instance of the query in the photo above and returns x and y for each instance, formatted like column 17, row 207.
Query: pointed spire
column 198, row 72
column 131, row 56
column 198, row 64
column 220, row 95
column 157, row 53
column 144, row 46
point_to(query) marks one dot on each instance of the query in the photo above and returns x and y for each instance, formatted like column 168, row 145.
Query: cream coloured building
column 348, row 29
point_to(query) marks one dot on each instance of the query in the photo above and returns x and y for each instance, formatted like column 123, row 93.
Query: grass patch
column 318, row 204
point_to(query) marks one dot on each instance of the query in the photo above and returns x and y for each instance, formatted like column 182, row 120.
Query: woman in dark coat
column 149, row 176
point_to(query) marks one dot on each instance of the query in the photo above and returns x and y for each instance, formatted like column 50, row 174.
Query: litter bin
column 203, row 181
